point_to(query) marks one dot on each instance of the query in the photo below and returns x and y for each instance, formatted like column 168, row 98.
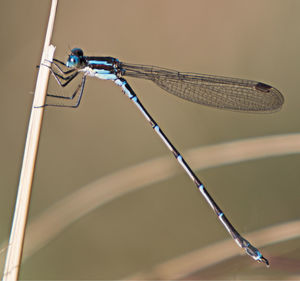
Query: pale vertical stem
column 16, row 240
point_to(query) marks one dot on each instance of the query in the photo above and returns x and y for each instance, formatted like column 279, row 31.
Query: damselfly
column 216, row 91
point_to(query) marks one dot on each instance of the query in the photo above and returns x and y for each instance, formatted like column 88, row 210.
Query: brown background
column 250, row 39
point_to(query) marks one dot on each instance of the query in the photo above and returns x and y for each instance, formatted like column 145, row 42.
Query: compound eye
column 77, row 52
column 73, row 61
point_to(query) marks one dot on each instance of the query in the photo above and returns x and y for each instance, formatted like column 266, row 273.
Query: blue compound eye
column 73, row 61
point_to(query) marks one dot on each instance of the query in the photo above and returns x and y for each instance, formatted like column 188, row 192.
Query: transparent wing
column 216, row 91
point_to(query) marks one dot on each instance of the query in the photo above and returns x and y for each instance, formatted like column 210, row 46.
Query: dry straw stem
column 15, row 246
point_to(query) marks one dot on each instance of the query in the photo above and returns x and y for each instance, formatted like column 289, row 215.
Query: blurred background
column 136, row 232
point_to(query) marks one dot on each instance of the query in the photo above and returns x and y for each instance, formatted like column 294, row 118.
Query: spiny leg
column 68, row 79
column 60, row 62
column 80, row 87
column 56, row 62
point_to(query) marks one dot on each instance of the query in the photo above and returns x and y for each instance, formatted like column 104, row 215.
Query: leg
column 80, row 86
column 57, row 76
column 57, row 62
column 68, row 79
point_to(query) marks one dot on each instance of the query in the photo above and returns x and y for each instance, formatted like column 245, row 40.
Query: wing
column 215, row 91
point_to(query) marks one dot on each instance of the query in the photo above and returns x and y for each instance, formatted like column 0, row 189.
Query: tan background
column 258, row 40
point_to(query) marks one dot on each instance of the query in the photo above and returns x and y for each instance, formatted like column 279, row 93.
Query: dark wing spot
column 262, row 87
